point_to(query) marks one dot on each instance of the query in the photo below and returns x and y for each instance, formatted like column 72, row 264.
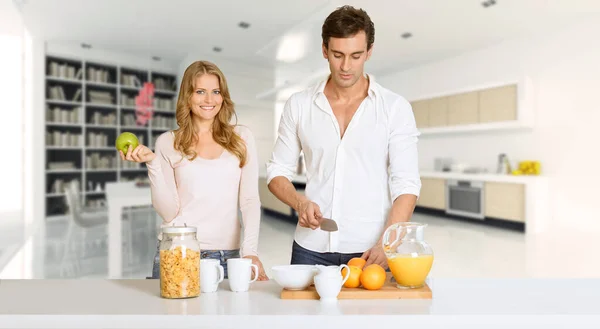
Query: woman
column 203, row 169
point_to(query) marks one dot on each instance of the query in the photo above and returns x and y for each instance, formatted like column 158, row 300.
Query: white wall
column 565, row 75
column 11, row 93
column 245, row 82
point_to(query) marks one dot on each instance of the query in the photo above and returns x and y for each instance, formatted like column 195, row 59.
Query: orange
column 354, row 277
column 358, row 262
column 373, row 277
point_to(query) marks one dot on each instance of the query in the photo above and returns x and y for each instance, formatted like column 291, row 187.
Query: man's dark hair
column 345, row 22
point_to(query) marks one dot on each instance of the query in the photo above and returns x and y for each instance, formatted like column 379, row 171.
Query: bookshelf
column 87, row 105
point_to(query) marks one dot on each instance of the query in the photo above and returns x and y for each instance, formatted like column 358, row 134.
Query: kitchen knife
column 328, row 225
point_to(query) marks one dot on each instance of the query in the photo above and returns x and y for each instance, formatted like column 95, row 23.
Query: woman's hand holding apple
column 139, row 154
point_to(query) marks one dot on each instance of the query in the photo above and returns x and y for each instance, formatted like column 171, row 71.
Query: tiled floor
column 462, row 249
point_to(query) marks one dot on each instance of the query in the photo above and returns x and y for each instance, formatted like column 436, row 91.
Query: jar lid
column 179, row 229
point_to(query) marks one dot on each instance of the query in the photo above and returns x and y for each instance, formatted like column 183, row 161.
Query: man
column 359, row 141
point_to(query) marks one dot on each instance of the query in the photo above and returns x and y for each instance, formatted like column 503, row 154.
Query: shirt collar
column 373, row 91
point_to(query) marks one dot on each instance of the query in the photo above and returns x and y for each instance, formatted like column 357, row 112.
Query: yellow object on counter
column 528, row 168
column 410, row 271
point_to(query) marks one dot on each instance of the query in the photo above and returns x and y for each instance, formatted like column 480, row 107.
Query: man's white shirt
column 353, row 179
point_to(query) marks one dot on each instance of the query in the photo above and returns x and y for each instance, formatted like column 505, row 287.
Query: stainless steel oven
column 465, row 198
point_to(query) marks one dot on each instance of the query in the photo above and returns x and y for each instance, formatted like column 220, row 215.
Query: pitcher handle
column 347, row 272
column 221, row 274
column 386, row 237
column 255, row 272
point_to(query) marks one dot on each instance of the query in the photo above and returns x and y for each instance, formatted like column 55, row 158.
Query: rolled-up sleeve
column 283, row 161
column 403, row 155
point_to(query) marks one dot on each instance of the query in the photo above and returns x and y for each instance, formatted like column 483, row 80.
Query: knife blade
column 328, row 225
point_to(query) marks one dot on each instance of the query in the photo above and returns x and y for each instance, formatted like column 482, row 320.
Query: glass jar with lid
column 179, row 262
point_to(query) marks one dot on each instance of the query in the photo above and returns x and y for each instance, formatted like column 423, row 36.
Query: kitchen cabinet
column 433, row 193
column 498, row 104
column 438, row 112
column 421, row 113
column 463, row 109
column 505, row 201
column 270, row 201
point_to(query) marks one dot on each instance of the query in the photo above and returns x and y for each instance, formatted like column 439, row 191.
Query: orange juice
column 409, row 271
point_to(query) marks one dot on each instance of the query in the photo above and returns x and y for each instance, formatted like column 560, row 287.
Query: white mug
column 211, row 274
column 239, row 273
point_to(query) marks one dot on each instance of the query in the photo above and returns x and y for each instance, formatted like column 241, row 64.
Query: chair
column 85, row 218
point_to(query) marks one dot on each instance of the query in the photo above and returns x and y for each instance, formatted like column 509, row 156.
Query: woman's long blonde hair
column 222, row 130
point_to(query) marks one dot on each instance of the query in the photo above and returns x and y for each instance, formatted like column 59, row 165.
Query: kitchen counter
column 537, row 216
column 483, row 177
column 464, row 303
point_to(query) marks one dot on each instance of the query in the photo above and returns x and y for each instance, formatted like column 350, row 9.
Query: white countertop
column 484, row 177
column 500, row 303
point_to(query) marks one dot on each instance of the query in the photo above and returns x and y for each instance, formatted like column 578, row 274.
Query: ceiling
column 287, row 33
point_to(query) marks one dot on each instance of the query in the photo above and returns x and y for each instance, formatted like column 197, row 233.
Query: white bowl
column 294, row 277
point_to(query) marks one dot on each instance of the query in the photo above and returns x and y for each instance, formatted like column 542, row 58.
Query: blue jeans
column 221, row 255
column 304, row 256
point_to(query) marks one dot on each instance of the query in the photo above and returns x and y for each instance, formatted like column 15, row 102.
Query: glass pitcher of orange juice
column 408, row 255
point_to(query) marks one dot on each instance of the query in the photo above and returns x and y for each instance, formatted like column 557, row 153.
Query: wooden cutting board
column 388, row 291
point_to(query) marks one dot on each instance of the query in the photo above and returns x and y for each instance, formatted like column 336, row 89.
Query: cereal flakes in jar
column 179, row 262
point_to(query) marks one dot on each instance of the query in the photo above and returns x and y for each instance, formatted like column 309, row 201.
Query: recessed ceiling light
column 217, row 49
column 86, row 45
column 156, row 58
column 244, row 25
column 488, row 3
column 406, row 35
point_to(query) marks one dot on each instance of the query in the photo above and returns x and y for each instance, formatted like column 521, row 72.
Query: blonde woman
column 204, row 170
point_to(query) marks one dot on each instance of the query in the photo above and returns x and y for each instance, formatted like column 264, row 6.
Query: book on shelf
column 61, row 165
column 63, row 139
column 97, row 139
column 100, row 161
column 77, row 95
column 64, row 71
column 163, row 122
column 165, row 84
column 129, row 120
column 58, row 114
column 126, row 100
column 131, row 80
column 101, row 97
column 57, row 93
column 97, row 75
column 98, row 118
column 165, row 104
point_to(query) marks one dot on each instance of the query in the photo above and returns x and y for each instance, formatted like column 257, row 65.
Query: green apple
column 126, row 139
